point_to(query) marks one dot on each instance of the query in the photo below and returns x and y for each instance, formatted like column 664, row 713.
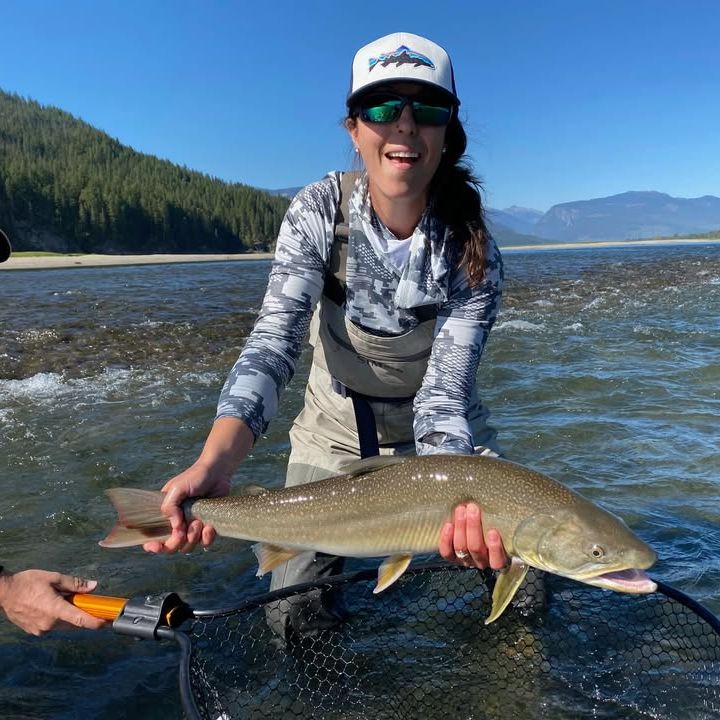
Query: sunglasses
column 387, row 108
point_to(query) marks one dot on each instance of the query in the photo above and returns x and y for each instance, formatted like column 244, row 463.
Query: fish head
column 586, row 543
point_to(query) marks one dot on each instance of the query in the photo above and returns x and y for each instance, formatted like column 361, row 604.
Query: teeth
column 403, row 155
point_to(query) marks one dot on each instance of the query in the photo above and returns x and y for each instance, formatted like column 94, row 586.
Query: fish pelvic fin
column 139, row 518
column 390, row 570
column 271, row 556
column 507, row 583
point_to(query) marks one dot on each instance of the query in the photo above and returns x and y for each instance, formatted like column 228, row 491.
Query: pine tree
column 62, row 176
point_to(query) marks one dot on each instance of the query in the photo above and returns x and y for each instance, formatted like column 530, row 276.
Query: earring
column 444, row 150
column 357, row 150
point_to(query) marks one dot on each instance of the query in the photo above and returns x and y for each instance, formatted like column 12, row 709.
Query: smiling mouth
column 403, row 157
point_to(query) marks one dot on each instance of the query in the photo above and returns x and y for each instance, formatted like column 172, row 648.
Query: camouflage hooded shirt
column 380, row 299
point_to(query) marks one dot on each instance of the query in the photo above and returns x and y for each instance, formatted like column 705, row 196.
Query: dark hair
column 455, row 193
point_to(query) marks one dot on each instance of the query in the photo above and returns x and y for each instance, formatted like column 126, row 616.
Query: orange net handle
column 104, row 607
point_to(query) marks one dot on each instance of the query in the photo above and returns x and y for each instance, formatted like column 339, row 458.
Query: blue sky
column 562, row 100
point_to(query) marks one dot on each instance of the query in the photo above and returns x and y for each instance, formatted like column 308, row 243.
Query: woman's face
column 401, row 156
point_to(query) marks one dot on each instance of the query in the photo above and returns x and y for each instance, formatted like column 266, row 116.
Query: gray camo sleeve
column 267, row 362
column 461, row 331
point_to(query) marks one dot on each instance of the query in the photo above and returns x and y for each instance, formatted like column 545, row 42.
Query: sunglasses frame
column 414, row 102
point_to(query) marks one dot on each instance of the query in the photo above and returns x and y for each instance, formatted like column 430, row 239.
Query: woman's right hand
column 464, row 542
column 229, row 441
column 198, row 480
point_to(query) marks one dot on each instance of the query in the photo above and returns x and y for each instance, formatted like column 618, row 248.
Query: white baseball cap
column 5, row 248
column 401, row 57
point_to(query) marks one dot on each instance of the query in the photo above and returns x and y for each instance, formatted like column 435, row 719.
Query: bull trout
column 396, row 506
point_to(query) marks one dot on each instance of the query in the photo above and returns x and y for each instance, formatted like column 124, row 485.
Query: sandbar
column 49, row 262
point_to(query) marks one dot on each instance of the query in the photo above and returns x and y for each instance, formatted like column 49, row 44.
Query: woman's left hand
column 463, row 542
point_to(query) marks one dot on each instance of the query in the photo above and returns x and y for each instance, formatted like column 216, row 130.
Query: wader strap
column 342, row 216
column 366, row 426
column 426, row 312
column 365, row 417
column 335, row 278
column 364, row 420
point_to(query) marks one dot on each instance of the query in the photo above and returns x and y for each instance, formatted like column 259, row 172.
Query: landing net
column 420, row 650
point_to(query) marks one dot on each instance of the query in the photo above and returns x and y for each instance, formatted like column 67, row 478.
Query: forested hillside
column 66, row 186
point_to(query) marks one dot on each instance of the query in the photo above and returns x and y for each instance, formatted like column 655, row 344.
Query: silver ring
column 462, row 555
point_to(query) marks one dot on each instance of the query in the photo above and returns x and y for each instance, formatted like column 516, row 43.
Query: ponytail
column 456, row 202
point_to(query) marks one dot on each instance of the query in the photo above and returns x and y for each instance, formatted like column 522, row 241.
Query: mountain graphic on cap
column 402, row 56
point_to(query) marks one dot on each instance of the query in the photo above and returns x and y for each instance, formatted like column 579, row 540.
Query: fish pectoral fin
column 506, row 585
column 270, row 556
column 390, row 570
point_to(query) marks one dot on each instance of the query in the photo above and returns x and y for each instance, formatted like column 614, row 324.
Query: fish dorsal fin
column 377, row 462
column 270, row 556
column 506, row 585
column 251, row 490
column 390, row 570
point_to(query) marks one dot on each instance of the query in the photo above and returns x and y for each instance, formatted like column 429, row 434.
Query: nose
column 406, row 121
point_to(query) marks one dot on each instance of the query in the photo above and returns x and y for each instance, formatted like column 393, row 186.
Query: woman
column 406, row 302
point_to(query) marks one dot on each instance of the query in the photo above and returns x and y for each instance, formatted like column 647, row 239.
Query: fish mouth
column 633, row 580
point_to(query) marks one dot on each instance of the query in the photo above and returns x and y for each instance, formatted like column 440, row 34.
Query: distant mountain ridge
column 629, row 216
column 519, row 219
column 286, row 192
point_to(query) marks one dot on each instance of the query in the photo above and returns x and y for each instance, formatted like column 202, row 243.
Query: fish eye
column 597, row 551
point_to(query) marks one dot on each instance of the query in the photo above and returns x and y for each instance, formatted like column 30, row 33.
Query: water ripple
column 602, row 370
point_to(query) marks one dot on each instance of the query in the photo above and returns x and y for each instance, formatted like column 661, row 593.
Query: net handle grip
column 104, row 607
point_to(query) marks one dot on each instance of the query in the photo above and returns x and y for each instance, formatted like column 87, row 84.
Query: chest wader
column 358, row 403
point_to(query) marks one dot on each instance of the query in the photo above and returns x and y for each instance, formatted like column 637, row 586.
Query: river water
column 602, row 371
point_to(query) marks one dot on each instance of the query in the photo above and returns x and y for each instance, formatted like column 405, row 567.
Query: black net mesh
column 421, row 650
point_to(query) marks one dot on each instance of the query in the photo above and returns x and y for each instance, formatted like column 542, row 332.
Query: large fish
column 396, row 507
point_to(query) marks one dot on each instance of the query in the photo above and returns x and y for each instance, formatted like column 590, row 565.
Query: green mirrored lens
column 384, row 112
column 430, row 114
column 389, row 110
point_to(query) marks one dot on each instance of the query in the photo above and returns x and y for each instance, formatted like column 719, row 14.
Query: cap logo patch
column 402, row 56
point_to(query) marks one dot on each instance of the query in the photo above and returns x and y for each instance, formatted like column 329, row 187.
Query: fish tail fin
column 139, row 518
